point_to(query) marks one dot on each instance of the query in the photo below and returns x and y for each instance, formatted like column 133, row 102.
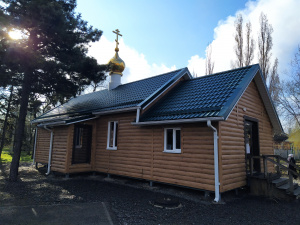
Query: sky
column 164, row 35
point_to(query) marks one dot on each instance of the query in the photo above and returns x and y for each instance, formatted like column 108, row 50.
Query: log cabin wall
column 232, row 143
column 42, row 145
column 59, row 149
column 140, row 153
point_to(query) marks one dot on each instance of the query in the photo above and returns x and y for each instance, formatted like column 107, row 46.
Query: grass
column 6, row 156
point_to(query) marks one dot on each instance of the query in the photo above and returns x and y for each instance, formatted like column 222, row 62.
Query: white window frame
column 114, row 135
column 174, row 150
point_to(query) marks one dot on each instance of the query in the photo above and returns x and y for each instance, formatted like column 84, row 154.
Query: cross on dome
column 117, row 32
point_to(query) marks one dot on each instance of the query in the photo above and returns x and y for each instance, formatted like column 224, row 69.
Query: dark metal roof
column 208, row 96
column 124, row 96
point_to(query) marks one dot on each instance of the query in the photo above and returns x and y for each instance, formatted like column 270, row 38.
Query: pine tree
column 51, row 56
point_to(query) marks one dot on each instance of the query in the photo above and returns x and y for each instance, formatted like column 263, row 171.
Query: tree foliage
column 265, row 44
column 51, row 58
column 274, row 84
column 244, row 46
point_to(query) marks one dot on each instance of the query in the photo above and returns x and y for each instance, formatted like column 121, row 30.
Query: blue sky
column 162, row 35
column 160, row 28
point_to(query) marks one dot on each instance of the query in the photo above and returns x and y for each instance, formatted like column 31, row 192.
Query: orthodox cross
column 117, row 32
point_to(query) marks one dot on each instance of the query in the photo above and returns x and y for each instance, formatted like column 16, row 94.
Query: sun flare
column 15, row 34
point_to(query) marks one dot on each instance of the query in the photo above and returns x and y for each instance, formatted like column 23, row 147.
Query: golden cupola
column 116, row 66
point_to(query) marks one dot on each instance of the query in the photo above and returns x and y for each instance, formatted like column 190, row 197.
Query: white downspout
column 34, row 147
column 138, row 112
column 216, row 162
column 50, row 149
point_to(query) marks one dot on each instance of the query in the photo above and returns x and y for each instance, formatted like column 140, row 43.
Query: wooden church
column 170, row 128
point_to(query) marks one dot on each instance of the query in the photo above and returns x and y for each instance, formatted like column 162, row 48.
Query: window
column 78, row 137
column 172, row 140
column 112, row 133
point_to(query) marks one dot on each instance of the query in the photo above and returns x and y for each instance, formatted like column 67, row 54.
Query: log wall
column 232, row 143
column 140, row 153
column 42, row 146
column 59, row 148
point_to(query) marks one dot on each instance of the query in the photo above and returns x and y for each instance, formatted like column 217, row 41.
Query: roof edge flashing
column 160, row 122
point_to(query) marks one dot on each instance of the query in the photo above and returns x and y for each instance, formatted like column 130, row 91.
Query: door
column 82, row 144
column 252, row 144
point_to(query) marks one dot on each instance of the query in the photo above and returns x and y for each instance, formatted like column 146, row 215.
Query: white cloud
column 196, row 66
column 137, row 66
column 282, row 15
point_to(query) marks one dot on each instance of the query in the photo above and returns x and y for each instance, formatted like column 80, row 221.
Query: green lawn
column 7, row 157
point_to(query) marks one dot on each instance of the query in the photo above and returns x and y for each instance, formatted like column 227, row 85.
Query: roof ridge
column 162, row 74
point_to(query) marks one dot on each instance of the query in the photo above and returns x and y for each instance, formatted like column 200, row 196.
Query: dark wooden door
column 82, row 144
column 252, row 144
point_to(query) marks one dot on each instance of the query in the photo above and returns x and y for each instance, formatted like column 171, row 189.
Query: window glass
column 178, row 139
column 169, row 143
column 116, row 135
column 78, row 137
column 111, row 134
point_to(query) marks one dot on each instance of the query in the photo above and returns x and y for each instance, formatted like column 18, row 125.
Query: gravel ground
column 131, row 201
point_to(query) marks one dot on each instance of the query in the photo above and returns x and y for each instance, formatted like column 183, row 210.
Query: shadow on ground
column 131, row 201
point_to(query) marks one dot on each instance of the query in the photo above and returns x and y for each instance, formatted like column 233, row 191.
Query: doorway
column 252, row 143
column 82, row 144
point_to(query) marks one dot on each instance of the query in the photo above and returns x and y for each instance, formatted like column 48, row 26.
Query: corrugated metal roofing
column 124, row 96
column 207, row 96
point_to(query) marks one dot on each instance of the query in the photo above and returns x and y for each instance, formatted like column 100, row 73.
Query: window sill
column 111, row 148
column 177, row 151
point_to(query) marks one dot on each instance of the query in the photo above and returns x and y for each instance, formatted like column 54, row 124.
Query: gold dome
column 116, row 64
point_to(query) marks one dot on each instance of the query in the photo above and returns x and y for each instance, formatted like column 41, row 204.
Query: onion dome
column 116, row 65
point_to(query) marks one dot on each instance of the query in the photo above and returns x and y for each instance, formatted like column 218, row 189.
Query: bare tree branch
column 265, row 44
column 209, row 64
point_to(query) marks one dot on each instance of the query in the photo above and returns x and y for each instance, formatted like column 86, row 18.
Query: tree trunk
column 5, row 120
column 26, row 86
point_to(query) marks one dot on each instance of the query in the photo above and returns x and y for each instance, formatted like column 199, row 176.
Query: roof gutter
column 216, row 162
column 137, row 123
column 50, row 150
column 57, row 123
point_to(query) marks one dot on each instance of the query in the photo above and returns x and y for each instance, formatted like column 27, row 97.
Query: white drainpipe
column 50, row 149
column 138, row 112
column 216, row 162
column 34, row 147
